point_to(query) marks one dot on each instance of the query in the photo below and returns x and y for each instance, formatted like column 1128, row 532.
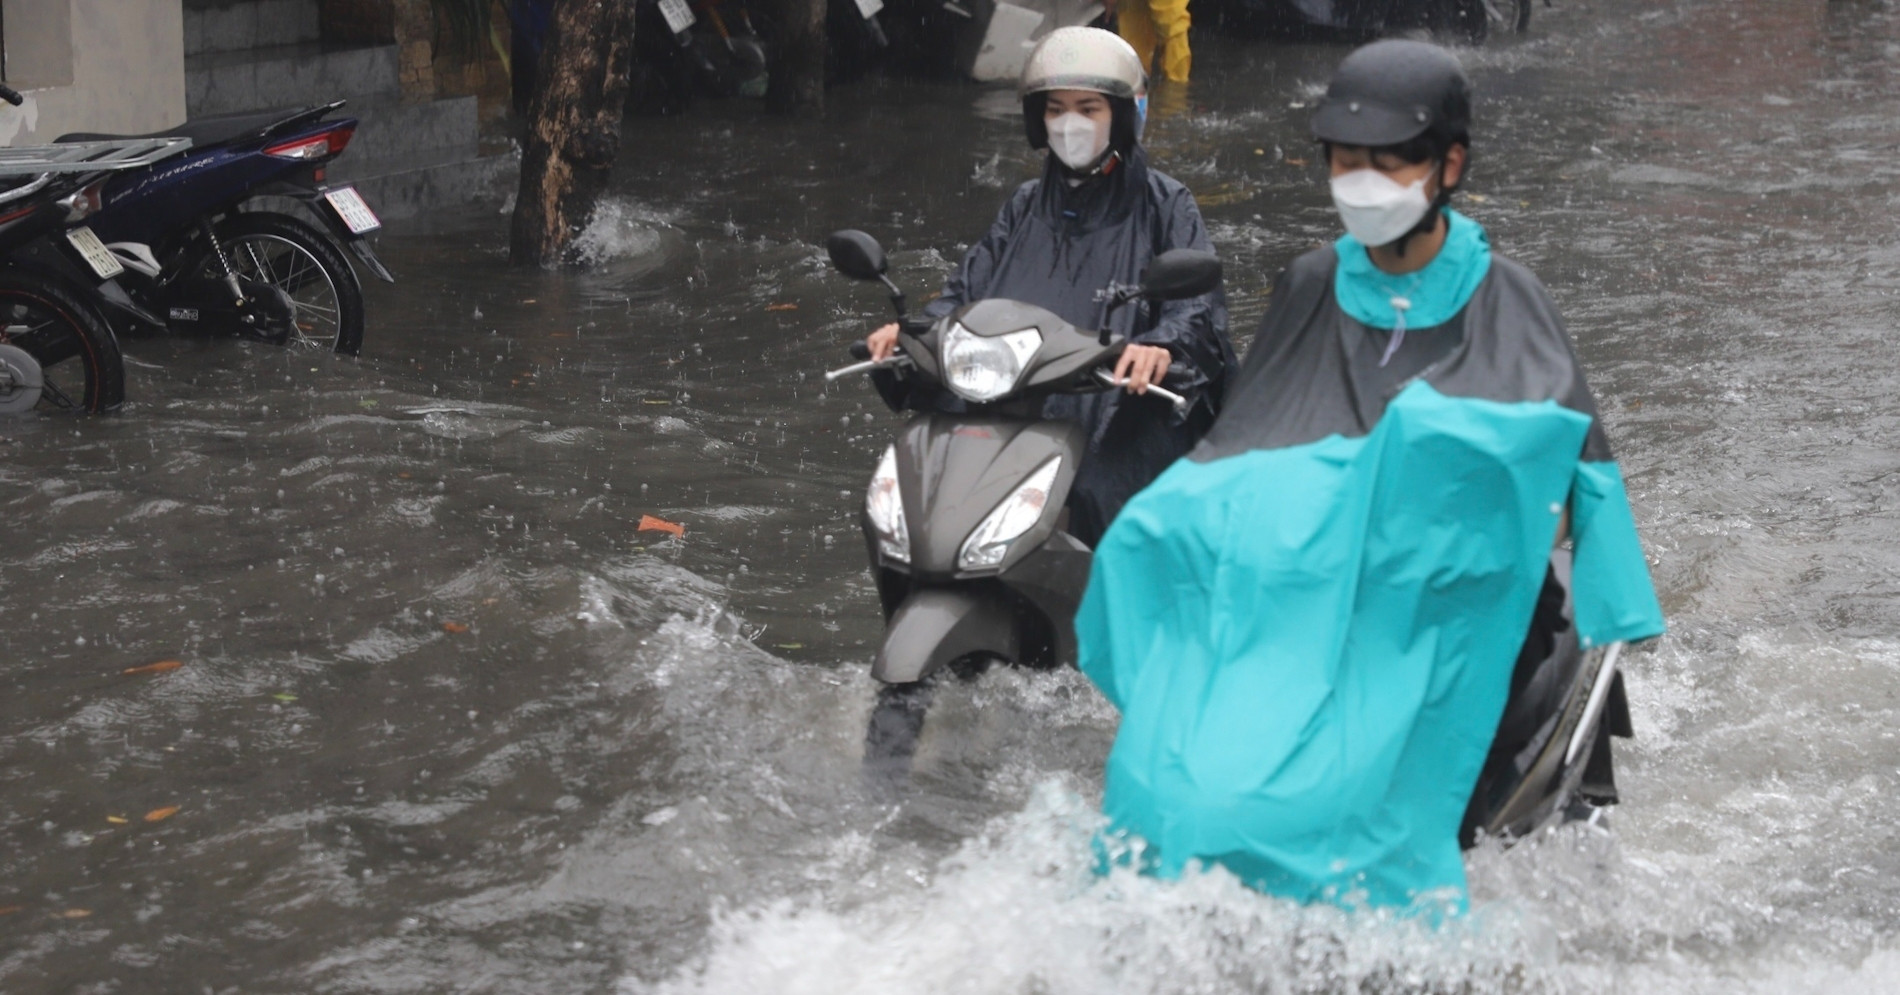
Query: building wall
column 93, row 65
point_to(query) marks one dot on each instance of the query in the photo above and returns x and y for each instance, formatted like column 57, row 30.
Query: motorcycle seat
column 202, row 131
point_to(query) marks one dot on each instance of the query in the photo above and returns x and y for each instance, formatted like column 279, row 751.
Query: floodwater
column 446, row 721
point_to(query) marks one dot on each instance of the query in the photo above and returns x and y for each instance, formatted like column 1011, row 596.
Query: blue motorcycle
column 203, row 257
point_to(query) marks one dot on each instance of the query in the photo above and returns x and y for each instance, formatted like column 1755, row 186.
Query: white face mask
column 1077, row 141
column 1375, row 208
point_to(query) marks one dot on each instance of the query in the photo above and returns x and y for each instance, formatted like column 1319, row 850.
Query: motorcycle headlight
column 884, row 503
column 989, row 543
column 984, row 369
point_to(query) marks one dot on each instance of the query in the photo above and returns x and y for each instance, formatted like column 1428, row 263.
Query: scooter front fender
column 937, row 626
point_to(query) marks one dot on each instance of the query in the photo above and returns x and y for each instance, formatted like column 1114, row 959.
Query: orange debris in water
column 161, row 814
column 154, row 668
column 650, row 524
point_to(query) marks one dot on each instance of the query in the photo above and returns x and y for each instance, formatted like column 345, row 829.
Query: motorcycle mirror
column 856, row 254
column 1178, row 274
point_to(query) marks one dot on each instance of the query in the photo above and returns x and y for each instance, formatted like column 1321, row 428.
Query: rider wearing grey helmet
column 1095, row 218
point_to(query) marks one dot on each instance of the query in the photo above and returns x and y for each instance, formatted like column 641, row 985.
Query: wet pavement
column 446, row 721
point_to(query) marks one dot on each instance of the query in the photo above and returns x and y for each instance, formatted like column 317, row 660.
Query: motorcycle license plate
column 679, row 17
column 350, row 206
column 869, row 8
column 104, row 264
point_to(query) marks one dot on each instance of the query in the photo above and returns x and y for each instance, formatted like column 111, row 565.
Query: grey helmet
column 1086, row 59
column 1390, row 92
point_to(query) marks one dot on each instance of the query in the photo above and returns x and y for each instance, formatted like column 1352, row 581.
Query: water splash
column 623, row 229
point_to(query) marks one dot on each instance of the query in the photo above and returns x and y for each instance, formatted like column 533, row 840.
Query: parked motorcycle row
column 181, row 231
column 685, row 49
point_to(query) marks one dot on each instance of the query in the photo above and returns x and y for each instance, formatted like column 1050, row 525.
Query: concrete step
column 235, row 25
column 224, row 82
column 391, row 129
column 405, row 188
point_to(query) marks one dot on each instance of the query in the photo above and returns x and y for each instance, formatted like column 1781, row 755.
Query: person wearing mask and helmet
column 1312, row 625
column 1095, row 218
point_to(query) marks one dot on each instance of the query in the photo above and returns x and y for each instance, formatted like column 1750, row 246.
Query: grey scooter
column 963, row 518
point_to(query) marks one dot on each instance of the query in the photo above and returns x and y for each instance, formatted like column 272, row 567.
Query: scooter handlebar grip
column 859, row 350
column 10, row 95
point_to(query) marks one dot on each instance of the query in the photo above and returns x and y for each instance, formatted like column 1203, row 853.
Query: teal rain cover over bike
column 1310, row 624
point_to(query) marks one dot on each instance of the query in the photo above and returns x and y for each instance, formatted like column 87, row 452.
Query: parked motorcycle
column 963, row 525
column 962, row 520
column 685, row 50
column 202, row 256
column 57, row 350
column 1472, row 20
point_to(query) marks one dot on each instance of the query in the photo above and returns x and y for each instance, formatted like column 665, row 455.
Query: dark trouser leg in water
column 896, row 721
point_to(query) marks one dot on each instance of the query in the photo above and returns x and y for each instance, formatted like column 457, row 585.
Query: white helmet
column 1086, row 59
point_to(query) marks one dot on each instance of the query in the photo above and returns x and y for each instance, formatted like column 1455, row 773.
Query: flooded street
column 447, row 722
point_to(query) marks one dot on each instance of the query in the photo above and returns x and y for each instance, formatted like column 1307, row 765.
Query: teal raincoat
column 1310, row 623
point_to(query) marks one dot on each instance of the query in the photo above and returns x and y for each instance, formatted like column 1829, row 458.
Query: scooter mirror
column 1180, row 273
column 856, row 254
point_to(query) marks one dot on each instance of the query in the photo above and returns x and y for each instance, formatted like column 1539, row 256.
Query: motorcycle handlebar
column 890, row 363
column 1181, row 404
column 10, row 95
column 862, row 352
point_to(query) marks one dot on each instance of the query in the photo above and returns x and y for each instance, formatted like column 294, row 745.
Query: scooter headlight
column 884, row 503
column 1017, row 514
column 983, row 368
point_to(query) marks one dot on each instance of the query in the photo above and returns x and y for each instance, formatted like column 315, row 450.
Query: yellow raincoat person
column 1156, row 28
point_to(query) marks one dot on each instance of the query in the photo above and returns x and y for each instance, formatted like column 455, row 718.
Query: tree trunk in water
column 798, row 80
column 573, row 127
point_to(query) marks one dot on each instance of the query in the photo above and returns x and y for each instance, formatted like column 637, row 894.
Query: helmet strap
column 1110, row 161
column 1428, row 223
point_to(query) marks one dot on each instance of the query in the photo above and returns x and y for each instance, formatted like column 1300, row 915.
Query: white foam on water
column 1715, row 877
column 622, row 229
column 1020, row 908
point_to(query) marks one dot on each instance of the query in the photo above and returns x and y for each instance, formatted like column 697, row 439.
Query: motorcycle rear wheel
column 80, row 363
column 301, row 261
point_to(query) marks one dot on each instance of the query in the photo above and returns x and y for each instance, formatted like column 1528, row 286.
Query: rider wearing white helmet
column 1096, row 217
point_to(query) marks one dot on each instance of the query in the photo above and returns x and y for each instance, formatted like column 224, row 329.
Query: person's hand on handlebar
column 882, row 342
column 1141, row 366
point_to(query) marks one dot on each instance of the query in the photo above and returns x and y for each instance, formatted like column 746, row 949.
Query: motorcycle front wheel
column 80, row 367
column 285, row 253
